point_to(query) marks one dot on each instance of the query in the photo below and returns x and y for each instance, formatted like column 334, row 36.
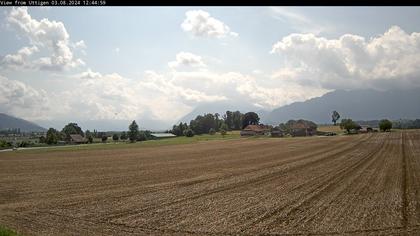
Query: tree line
column 133, row 134
column 406, row 124
column 212, row 123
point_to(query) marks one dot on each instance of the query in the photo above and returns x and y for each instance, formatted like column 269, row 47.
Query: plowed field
column 365, row 184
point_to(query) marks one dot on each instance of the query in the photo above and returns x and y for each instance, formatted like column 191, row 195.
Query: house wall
column 298, row 132
column 277, row 134
column 248, row 133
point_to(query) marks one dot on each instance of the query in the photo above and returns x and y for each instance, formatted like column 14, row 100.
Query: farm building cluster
column 293, row 128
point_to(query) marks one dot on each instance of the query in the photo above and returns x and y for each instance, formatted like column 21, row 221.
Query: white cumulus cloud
column 352, row 61
column 50, row 36
column 19, row 59
column 186, row 59
column 201, row 24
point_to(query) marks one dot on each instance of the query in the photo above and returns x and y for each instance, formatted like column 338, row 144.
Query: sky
column 156, row 64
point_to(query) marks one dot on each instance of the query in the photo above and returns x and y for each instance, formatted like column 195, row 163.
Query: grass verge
column 149, row 143
column 7, row 232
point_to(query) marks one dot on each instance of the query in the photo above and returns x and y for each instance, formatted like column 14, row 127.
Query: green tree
column 133, row 131
column 71, row 128
column 385, row 125
column 104, row 138
column 348, row 124
column 42, row 139
column 223, row 129
column 178, row 130
column 89, row 136
column 123, row 136
column 115, row 137
column 142, row 136
column 203, row 123
column 283, row 127
column 52, row 136
column 250, row 118
column 217, row 125
column 335, row 116
column 228, row 118
column 237, row 118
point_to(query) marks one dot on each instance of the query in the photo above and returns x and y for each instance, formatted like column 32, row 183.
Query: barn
column 252, row 130
column 302, row 129
column 162, row 135
column 77, row 139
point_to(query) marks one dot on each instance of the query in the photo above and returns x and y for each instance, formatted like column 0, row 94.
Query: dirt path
column 361, row 184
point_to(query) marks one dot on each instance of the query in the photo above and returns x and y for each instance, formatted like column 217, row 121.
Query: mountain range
column 364, row 104
column 355, row 104
column 11, row 122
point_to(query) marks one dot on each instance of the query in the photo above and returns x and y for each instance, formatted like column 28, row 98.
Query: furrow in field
column 251, row 179
column 281, row 218
column 412, row 152
column 348, row 185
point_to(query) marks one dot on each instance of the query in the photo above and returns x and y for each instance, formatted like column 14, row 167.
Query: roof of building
column 257, row 128
column 77, row 138
column 162, row 135
column 302, row 125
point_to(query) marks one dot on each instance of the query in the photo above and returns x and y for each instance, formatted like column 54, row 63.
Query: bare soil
column 365, row 184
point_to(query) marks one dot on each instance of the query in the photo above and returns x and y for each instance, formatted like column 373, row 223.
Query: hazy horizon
column 110, row 65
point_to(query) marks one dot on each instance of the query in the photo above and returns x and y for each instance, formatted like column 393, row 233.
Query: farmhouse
column 251, row 130
column 77, row 139
column 302, row 129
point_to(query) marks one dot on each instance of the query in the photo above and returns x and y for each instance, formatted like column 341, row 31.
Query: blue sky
column 159, row 63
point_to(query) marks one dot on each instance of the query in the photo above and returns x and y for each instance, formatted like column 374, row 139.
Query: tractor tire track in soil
column 404, row 188
column 347, row 185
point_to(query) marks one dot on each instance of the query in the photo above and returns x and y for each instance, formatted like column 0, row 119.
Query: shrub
column 42, row 139
column 189, row 133
column 23, row 144
column 212, row 131
column 223, row 132
column 104, row 138
column 5, row 144
column 115, row 137
column 142, row 136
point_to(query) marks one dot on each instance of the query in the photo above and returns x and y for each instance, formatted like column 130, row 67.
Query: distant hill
column 10, row 122
column 356, row 104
